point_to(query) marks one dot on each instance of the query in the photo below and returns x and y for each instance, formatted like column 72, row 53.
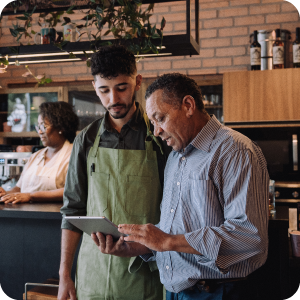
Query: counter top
column 31, row 210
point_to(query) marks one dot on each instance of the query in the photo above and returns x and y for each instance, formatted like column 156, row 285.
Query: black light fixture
column 173, row 45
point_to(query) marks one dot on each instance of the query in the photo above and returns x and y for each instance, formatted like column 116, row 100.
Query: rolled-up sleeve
column 76, row 188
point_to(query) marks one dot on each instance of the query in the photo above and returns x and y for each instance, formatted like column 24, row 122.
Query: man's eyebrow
column 105, row 86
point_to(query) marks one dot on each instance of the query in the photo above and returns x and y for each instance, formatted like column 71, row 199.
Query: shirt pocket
column 204, row 198
column 98, row 193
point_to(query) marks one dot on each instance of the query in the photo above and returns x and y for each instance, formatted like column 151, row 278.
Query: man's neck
column 119, row 123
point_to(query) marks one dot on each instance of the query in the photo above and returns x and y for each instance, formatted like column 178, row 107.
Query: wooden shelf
column 19, row 134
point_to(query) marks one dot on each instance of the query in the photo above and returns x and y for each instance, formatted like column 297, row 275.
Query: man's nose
column 157, row 130
column 114, row 98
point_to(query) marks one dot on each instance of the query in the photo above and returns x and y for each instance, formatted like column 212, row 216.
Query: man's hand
column 120, row 248
column 2, row 192
column 16, row 198
column 148, row 235
column 66, row 289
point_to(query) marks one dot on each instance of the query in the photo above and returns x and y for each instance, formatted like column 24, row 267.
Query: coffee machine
column 11, row 167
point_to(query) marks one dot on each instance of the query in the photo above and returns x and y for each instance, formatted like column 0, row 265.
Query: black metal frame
column 177, row 45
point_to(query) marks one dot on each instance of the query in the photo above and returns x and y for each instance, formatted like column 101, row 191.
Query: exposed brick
column 161, row 9
column 264, row 9
column 81, row 77
column 204, row 53
column 218, row 4
column 218, row 23
column 180, row 26
column 231, row 51
column 178, row 8
column 287, row 6
column 208, row 14
column 288, row 17
column 234, row 31
column 49, row 71
column 202, row 71
column 269, row 1
column 78, row 69
column 241, row 60
column 209, row 43
column 230, row 12
column 264, row 27
column 63, row 78
column 249, row 20
column 243, row 40
column 208, row 33
column 20, row 71
column 216, row 62
column 187, row 64
column 157, row 66
column 239, row 2
column 173, row 17
column 149, row 75
column 292, row 28
column 7, row 74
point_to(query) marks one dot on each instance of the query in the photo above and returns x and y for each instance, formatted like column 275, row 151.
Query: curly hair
column 61, row 116
column 111, row 61
column 175, row 87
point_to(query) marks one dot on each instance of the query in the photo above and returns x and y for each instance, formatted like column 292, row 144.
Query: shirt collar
column 204, row 138
column 133, row 123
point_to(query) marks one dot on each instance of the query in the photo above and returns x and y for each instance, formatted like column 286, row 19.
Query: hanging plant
column 124, row 20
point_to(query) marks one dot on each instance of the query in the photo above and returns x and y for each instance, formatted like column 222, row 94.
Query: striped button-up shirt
column 216, row 194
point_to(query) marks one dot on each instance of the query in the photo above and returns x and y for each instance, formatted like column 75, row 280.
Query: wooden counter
column 30, row 250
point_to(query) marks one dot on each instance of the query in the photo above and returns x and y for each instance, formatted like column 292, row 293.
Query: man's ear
column 138, row 81
column 189, row 105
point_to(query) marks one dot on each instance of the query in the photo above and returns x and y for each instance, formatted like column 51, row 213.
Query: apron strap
column 150, row 134
column 95, row 147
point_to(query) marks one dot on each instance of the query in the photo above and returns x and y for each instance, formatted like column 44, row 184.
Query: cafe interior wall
column 225, row 28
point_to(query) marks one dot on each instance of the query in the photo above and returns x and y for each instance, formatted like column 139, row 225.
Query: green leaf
column 70, row 9
column 22, row 18
column 88, row 63
column 72, row 55
column 99, row 10
column 155, row 36
column 13, row 32
column 163, row 23
column 48, row 80
column 67, row 20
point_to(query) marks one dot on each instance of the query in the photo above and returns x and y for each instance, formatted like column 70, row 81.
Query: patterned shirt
column 216, row 194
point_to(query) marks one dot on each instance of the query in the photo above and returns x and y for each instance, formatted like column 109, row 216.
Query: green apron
column 124, row 186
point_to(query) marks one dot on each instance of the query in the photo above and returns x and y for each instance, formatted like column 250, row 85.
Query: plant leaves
column 13, row 32
column 67, row 20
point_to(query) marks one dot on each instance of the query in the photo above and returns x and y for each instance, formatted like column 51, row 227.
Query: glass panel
column 20, row 110
column 213, row 100
column 87, row 106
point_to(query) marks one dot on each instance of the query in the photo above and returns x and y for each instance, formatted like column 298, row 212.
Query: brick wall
column 225, row 27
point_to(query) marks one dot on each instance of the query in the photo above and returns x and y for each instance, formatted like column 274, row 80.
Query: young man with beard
column 116, row 170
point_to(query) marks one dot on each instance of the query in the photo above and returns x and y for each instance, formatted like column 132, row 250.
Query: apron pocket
column 139, row 196
column 98, row 189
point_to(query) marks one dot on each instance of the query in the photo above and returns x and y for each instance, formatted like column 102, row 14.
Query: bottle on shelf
column 278, row 51
column 255, row 53
column 296, row 49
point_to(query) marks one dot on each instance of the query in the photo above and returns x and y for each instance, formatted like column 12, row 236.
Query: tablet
column 91, row 225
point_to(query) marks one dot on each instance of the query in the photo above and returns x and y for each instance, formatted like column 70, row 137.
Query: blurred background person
column 43, row 178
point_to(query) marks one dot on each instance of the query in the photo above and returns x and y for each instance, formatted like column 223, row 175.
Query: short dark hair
column 175, row 87
column 111, row 61
column 61, row 116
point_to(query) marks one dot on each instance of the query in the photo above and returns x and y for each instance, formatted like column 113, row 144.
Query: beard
column 121, row 115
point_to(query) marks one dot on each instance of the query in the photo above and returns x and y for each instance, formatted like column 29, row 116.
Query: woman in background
column 43, row 177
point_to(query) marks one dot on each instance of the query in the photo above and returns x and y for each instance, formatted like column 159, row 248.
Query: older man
column 214, row 215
